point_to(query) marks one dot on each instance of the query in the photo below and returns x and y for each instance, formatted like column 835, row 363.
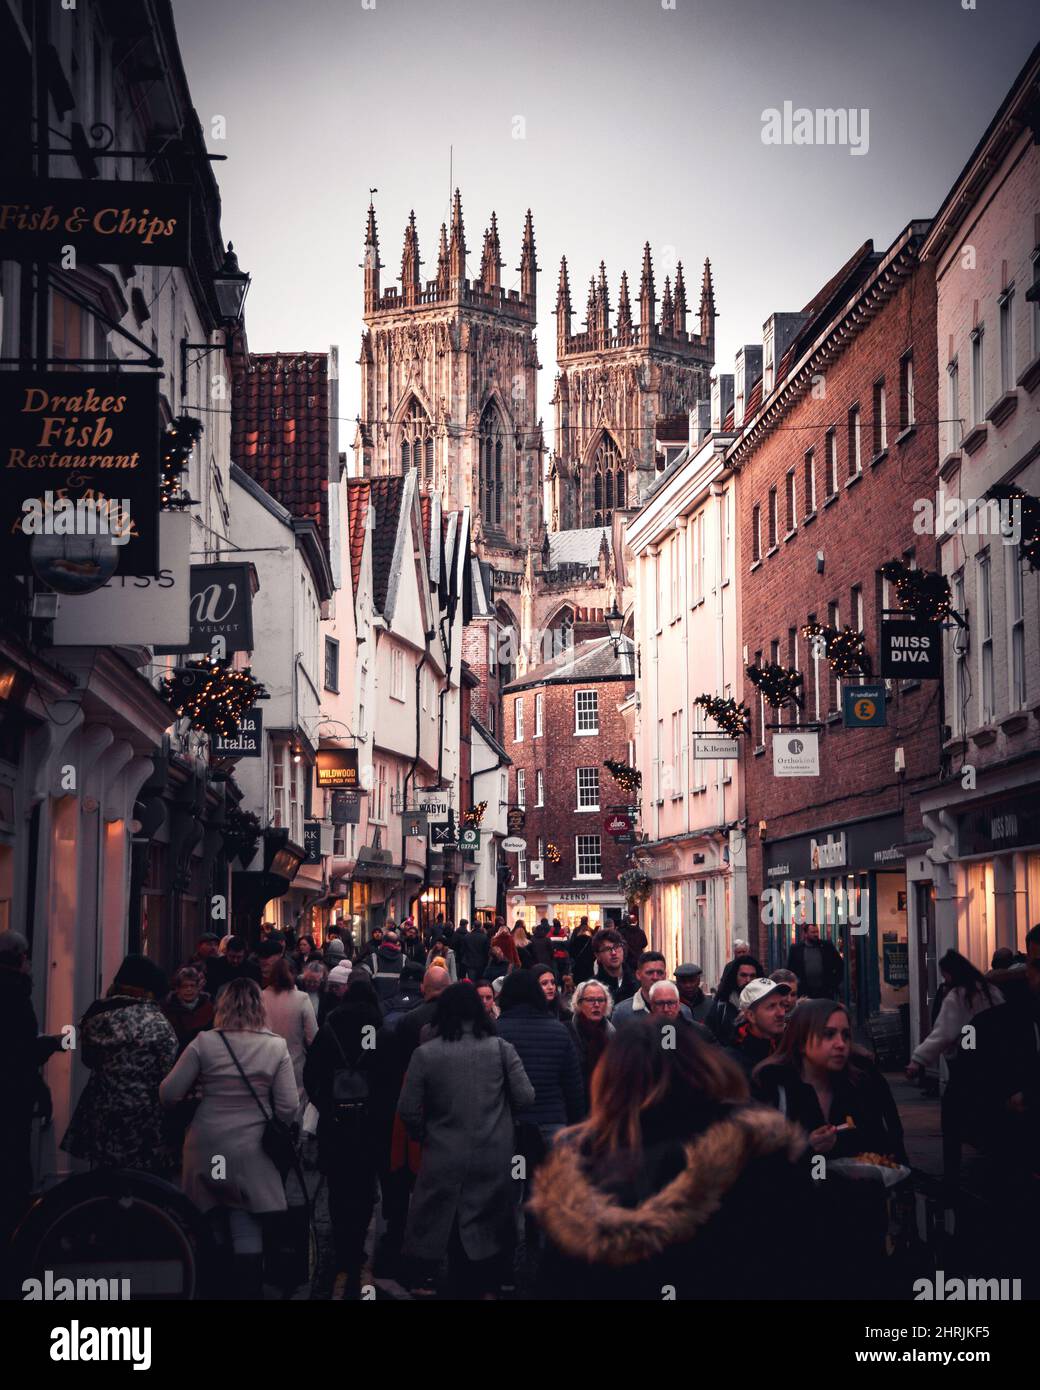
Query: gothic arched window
column 417, row 443
column 608, row 481
column 491, row 466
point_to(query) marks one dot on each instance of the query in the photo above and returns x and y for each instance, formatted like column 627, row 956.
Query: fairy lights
column 552, row 853
column 1029, row 544
column 779, row 684
column 732, row 718
column 176, row 442
column 212, row 695
column 474, row 815
column 629, row 779
column 845, row 650
column 923, row 593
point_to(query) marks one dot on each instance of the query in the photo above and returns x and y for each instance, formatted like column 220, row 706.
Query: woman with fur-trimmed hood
column 669, row 1189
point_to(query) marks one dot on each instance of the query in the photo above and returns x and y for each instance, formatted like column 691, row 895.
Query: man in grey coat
column 652, row 967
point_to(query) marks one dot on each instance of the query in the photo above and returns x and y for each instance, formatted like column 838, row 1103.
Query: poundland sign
column 911, row 650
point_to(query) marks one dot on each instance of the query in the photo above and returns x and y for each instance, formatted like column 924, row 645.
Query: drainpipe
column 418, row 740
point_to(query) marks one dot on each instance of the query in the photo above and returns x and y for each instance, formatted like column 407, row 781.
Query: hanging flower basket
column 636, row 884
column 241, row 831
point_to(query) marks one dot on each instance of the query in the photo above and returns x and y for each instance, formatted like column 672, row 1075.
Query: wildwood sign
column 83, row 438
column 106, row 223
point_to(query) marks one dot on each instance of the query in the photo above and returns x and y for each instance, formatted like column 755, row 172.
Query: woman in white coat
column 967, row 993
column 290, row 1014
column 224, row 1169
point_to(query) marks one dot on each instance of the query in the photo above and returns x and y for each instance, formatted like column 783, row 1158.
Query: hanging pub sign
column 79, row 467
column 248, row 739
column 312, row 841
column 516, row 819
column 910, row 649
column 414, row 823
column 863, row 706
column 346, row 808
column 442, row 832
column 796, row 754
column 105, row 223
column 220, row 605
column 338, row 767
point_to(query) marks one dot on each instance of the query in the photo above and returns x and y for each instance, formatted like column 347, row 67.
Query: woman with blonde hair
column 246, row 1077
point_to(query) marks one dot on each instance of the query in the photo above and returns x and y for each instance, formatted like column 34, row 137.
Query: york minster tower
column 448, row 382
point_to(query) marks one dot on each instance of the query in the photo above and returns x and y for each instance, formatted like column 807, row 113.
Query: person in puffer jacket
column 547, row 1051
column 386, row 964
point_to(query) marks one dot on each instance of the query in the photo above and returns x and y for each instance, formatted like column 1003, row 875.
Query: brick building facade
column 562, row 720
column 831, row 462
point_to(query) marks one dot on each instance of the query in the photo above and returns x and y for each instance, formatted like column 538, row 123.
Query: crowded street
column 519, row 667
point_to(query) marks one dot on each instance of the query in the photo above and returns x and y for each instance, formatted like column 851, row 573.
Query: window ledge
column 678, row 796
column 834, row 716
column 881, row 454
column 1000, row 410
column 757, row 752
column 772, row 551
column 829, row 501
column 974, row 438
column 584, row 733
column 956, row 747
column 755, row 564
column 855, row 478
column 950, row 464
column 1015, row 723
column 1030, row 374
column 907, row 686
column 585, row 810
column 809, row 516
column 905, row 434
column 984, row 735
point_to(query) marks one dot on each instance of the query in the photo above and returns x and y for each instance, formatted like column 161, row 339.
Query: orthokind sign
column 105, row 223
column 911, row 650
column 796, row 754
column 85, row 438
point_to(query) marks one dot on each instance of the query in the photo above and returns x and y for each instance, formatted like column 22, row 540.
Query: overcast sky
column 638, row 123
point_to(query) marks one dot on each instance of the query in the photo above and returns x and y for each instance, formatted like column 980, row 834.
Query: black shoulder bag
column 276, row 1141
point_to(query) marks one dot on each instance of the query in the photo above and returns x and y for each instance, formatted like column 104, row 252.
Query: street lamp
column 615, row 622
column 230, row 286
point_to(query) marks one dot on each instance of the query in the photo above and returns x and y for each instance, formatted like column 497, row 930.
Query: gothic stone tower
column 448, row 383
column 615, row 383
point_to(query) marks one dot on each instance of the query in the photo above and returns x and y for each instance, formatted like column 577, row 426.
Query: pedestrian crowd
column 547, row 1114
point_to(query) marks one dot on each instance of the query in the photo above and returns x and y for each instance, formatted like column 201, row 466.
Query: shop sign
column 133, row 610
column 1009, row 824
column 860, row 847
column 829, row 853
column 863, row 706
column 434, row 801
column 469, row 837
column 617, row 824
column 574, row 897
column 220, row 605
column 105, row 222
column 248, row 739
column 896, row 963
column 442, row 832
column 79, row 463
column 911, row 650
column 514, row 844
column 414, row 823
column 796, row 755
column 711, row 746
column 346, row 808
column 338, row 767
column 516, row 819
column 312, row 842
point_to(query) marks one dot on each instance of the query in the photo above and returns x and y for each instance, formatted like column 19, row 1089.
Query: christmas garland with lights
column 474, row 815
column 1029, row 543
column 923, row 593
column 732, row 718
column 212, row 695
column 845, row 650
column 629, row 779
column 176, row 442
column 636, row 884
column 241, row 831
column 552, row 853
column 779, row 684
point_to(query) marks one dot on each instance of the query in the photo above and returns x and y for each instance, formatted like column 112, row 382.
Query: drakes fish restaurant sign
column 74, row 447
column 105, row 223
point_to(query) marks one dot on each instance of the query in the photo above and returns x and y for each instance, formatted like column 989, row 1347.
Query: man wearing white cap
column 763, row 1017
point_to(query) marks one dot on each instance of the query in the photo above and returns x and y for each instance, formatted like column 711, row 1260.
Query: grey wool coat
column 228, row 1123
column 457, row 1100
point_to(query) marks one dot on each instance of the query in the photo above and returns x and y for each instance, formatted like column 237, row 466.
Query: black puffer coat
column 550, row 1060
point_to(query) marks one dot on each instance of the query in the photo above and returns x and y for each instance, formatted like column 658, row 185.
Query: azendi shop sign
column 77, row 448
column 106, row 223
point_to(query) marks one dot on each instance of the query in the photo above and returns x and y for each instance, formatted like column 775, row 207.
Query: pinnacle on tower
column 603, row 306
column 410, row 286
column 371, row 261
column 647, row 298
column 624, row 309
column 528, row 267
column 563, row 306
column 491, row 259
column 707, row 312
column 667, row 308
column 442, row 262
column 680, row 301
column 457, row 246
column 591, row 306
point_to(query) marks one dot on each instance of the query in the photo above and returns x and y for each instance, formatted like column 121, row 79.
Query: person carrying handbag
column 227, row 1167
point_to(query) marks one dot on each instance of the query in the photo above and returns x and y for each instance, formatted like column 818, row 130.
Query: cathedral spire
column 371, row 261
column 528, row 268
column 410, row 286
column 442, row 262
column 707, row 314
column 563, row 307
column 680, row 301
column 457, row 247
column 491, row 259
column 624, row 311
column 591, row 306
column 602, row 307
column 667, row 308
column 647, row 298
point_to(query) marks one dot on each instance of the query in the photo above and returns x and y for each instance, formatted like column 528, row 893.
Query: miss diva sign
column 79, row 455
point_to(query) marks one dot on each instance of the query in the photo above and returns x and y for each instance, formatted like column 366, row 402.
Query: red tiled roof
column 357, row 512
column 280, row 431
column 385, row 499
